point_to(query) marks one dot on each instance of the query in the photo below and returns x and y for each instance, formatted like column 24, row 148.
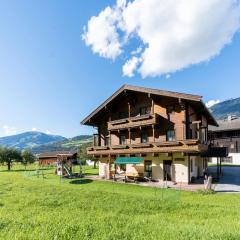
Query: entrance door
column 167, row 170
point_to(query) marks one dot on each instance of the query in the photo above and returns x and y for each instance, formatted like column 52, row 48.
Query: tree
column 82, row 154
column 27, row 158
column 9, row 155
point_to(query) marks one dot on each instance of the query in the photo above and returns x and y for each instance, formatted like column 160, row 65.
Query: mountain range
column 70, row 144
column 39, row 142
column 225, row 108
column 29, row 140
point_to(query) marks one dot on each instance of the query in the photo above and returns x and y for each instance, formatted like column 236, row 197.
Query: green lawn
column 33, row 207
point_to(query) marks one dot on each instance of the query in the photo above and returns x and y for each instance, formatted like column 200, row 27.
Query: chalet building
column 151, row 132
column 51, row 158
column 227, row 135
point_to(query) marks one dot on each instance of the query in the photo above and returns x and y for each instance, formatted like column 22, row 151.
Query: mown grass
column 36, row 207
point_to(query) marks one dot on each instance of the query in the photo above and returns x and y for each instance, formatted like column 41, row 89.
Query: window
column 170, row 109
column 232, row 146
column 145, row 110
column 107, row 141
column 148, row 166
column 144, row 138
column 122, row 140
column 170, row 135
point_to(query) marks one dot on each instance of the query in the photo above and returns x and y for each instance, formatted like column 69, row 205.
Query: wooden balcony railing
column 143, row 120
column 191, row 145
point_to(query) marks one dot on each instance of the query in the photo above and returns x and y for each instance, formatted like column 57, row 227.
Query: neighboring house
column 151, row 132
column 227, row 135
column 51, row 158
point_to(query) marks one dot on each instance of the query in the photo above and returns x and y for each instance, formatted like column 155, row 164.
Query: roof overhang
column 150, row 91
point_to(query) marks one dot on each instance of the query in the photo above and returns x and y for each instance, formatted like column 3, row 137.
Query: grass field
column 33, row 207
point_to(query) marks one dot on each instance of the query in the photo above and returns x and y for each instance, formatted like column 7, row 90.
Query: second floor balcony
column 189, row 145
column 131, row 122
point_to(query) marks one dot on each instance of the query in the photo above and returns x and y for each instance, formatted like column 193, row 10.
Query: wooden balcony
column 188, row 146
column 132, row 122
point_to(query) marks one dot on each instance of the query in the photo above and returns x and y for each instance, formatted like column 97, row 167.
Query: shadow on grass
column 91, row 174
column 81, row 181
column 227, row 191
column 25, row 170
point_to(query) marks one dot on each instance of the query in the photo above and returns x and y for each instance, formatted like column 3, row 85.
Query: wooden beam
column 110, row 139
column 129, row 135
column 152, row 106
column 129, row 109
column 153, row 128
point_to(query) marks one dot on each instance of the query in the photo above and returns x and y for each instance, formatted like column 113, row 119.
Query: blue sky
column 50, row 80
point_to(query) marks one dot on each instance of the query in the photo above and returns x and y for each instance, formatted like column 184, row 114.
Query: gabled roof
column 226, row 125
column 151, row 91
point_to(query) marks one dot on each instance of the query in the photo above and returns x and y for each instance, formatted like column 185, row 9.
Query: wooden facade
column 51, row 158
column 138, row 121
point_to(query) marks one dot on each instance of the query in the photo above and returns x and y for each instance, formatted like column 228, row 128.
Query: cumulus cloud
column 7, row 130
column 211, row 103
column 130, row 66
column 102, row 32
column 34, row 129
column 173, row 34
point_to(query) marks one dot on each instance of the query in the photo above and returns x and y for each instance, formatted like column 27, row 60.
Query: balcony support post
column 129, row 109
column 153, row 128
column 110, row 139
column 152, row 106
column 99, row 136
column 129, row 135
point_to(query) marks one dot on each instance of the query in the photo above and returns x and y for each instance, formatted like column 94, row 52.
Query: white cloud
column 130, row 66
column 102, row 34
column 210, row 103
column 7, row 130
column 34, row 129
column 48, row 132
column 175, row 34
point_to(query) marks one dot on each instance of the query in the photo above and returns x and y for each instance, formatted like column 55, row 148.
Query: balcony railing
column 172, row 146
column 131, row 122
